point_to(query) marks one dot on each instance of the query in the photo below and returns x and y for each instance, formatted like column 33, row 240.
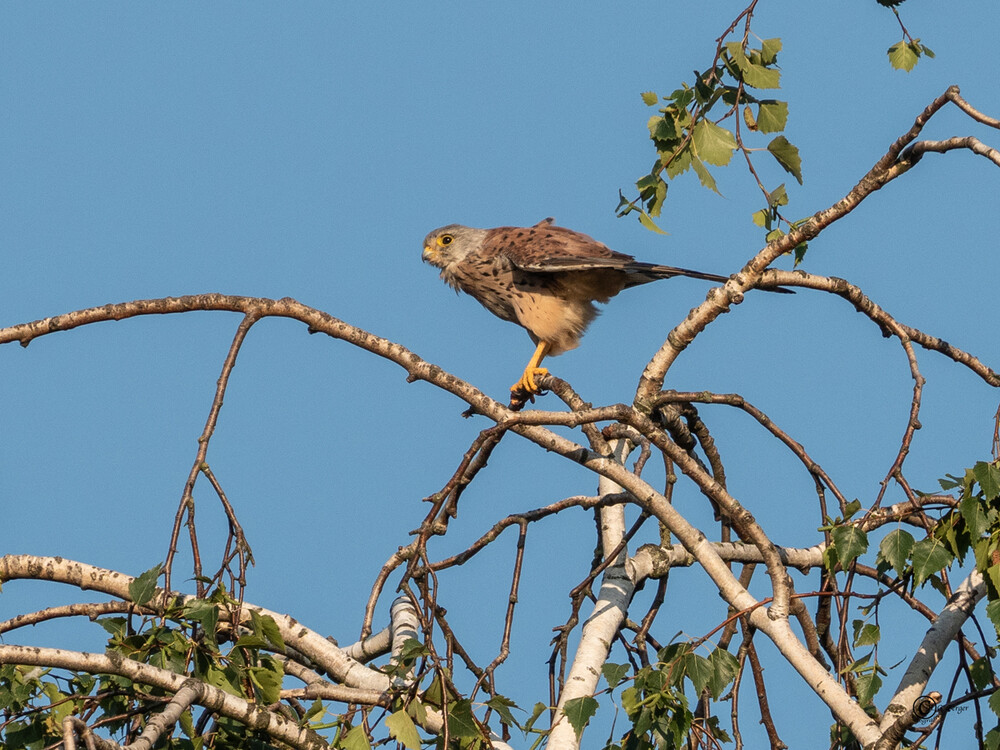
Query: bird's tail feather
column 642, row 273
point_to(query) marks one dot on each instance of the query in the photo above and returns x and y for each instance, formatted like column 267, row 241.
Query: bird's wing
column 552, row 264
column 546, row 247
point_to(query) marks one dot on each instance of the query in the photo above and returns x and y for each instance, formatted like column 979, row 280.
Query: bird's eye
column 446, row 239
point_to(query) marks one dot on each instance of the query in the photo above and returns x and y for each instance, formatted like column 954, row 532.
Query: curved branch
column 213, row 698
column 90, row 610
column 318, row 322
column 896, row 161
column 886, row 322
column 974, row 145
column 88, row 577
column 736, row 400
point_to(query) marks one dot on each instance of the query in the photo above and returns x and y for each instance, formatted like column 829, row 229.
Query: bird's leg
column 532, row 371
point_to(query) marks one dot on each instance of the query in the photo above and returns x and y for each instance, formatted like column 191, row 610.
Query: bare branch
column 886, row 322
column 893, row 164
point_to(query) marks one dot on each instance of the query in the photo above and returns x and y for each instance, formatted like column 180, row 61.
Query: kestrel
column 545, row 278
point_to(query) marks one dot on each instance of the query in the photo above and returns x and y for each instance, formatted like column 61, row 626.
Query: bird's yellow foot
column 527, row 382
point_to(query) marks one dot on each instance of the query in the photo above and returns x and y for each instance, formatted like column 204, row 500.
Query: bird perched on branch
column 545, row 278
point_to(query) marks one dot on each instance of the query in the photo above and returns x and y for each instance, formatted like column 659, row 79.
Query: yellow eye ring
column 445, row 239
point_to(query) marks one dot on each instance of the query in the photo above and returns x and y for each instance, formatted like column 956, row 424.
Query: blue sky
column 305, row 149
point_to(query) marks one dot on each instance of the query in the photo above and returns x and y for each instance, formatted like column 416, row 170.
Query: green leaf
column 433, row 694
column 849, row 542
column 895, row 549
column 578, row 711
column 537, row 711
column 760, row 77
column 988, row 476
column 756, row 76
column 993, row 613
column 649, row 98
column 800, row 252
column 314, row 710
column 116, row 626
column 677, row 162
column 769, row 50
column 460, row 720
column 682, row 97
column 417, row 710
column 265, row 626
column 903, row 55
column 698, row 670
column 631, row 701
column 950, row 482
column 974, row 514
column 995, row 703
column 929, row 556
column 663, row 130
column 865, row 634
column 867, row 686
column 224, row 679
column 142, row 589
column 649, row 223
column 761, row 218
column 787, row 156
column 250, row 640
column 268, row 679
column 614, row 673
column 652, row 191
column 981, row 672
column 186, row 722
column 356, row 739
column 704, row 176
column 778, row 196
column 772, row 116
column 987, row 553
column 502, row 705
column 712, row 143
column 403, row 730
column 992, row 739
column 205, row 614
column 724, row 669
column 954, row 534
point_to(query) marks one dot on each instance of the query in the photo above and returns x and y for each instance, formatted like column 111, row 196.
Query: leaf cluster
column 973, row 525
column 691, row 133
column 657, row 703
column 194, row 638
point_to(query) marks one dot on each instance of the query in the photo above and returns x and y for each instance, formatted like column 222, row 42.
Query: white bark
column 778, row 630
column 610, row 609
column 231, row 706
column 937, row 639
column 308, row 642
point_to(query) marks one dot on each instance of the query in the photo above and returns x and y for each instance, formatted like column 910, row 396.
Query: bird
column 545, row 278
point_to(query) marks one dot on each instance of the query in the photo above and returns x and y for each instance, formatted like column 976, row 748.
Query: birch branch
column 937, row 639
column 308, row 642
column 609, row 613
column 230, row 706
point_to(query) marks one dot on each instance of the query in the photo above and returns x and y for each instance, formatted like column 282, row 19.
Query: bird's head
column 451, row 244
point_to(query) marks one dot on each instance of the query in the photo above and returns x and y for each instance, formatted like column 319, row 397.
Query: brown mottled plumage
column 545, row 278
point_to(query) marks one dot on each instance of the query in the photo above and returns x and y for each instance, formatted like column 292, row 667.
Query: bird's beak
column 428, row 254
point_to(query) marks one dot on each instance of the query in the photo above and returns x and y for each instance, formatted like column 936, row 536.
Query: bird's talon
column 527, row 382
